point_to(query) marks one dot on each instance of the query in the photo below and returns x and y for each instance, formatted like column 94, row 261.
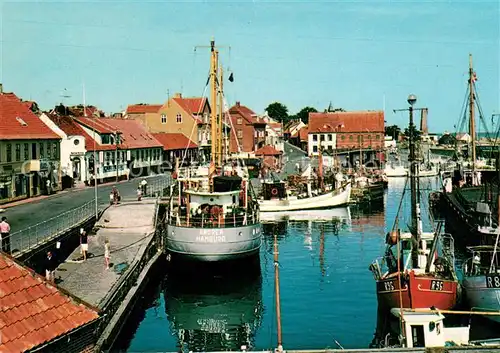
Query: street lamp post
column 116, row 154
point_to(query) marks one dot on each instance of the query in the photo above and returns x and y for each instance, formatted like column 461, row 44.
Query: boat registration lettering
column 211, row 236
column 208, row 231
column 389, row 286
column 492, row 281
column 437, row 285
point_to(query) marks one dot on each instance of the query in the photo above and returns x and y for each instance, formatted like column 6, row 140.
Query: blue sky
column 300, row 53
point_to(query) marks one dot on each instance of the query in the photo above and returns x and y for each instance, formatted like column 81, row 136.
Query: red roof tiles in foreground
column 174, row 141
column 143, row 108
column 17, row 121
column 346, row 122
column 32, row 311
column 267, row 151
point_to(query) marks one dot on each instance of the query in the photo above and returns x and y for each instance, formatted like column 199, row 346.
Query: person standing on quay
column 106, row 253
column 84, row 243
column 50, row 267
column 5, row 235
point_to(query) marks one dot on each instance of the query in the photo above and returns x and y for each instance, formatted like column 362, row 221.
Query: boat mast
column 213, row 104
column 472, row 125
column 414, row 187
column 220, row 151
column 277, row 289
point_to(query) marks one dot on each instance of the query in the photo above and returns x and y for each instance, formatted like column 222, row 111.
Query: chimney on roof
column 178, row 95
column 238, row 103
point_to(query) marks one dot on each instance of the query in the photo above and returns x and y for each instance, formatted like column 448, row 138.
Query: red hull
column 422, row 291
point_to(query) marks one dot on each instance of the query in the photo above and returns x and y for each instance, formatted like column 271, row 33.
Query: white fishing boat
column 325, row 215
column 277, row 199
column 392, row 171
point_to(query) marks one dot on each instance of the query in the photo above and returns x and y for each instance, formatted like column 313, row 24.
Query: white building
column 327, row 141
column 73, row 139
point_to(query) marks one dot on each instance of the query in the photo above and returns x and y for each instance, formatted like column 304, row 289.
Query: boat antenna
column 277, row 289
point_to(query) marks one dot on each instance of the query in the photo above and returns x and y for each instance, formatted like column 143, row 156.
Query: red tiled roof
column 192, row 105
column 17, row 121
column 352, row 121
column 96, row 124
column 133, row 134
column 33, row 311
column 303, row 133
column 71, row 127
column 143, row 108
column 248, row 114
column 267, row 151
column 174, row 141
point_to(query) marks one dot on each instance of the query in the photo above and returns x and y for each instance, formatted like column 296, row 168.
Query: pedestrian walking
column 139, row 193
column 84, row 243
column 111, row 198
column 5, row 235
column 50, row 267
column 144, row 185
column 107, row 253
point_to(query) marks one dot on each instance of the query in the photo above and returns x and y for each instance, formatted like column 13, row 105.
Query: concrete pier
column 128, row 227
column 135, row 247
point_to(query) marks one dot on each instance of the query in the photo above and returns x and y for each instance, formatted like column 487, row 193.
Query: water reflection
column 215, row 313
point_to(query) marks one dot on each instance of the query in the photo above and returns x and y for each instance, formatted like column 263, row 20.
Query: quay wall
column 120, row 301
column 69, row 240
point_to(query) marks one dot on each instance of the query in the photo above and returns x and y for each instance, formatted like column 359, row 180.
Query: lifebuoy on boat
column 274, row 191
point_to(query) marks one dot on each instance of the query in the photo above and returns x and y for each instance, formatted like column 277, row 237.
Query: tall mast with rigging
column 221, row 119
column 213, row 104
column 472, row 125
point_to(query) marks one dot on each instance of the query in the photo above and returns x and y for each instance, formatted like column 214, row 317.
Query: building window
column 178, row 118
column 315, row 137
column 239, row 121
column 26, row 152
column 377, row 137
column 163, row 118
column 350, row 137
column 9, row 152
column 105, row 139
column 343, row 137
column 240, row 134
column 18, row 152
column 330, row 137
column 33, row 151
column 42, row 150
column 55, row 155
column 315, row 149
column 142, row 155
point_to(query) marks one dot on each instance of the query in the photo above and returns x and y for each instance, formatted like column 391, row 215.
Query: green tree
column 278, row 112
column 303, row 114
column 393, row 131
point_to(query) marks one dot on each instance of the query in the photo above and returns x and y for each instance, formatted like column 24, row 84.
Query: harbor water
column 327, row 294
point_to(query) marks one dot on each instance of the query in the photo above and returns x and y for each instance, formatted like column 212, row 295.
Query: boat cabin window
column 417, row 335
column 406, row 245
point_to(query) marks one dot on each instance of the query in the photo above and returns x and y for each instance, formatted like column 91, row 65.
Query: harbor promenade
column 39, row 222
column 129, row 227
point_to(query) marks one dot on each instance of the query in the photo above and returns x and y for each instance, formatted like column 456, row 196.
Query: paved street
column 26, row 215
column 292, row 156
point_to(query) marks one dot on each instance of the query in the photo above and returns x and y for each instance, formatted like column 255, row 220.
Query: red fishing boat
column 419, row 265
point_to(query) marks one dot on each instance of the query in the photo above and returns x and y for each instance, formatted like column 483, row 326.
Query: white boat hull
column 335, row 198
column 341, row 213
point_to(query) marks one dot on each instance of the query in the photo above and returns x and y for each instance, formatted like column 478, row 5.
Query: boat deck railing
column 229, row 220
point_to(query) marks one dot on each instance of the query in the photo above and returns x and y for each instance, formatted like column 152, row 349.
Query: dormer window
column 239, row 121
column 21, row 121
